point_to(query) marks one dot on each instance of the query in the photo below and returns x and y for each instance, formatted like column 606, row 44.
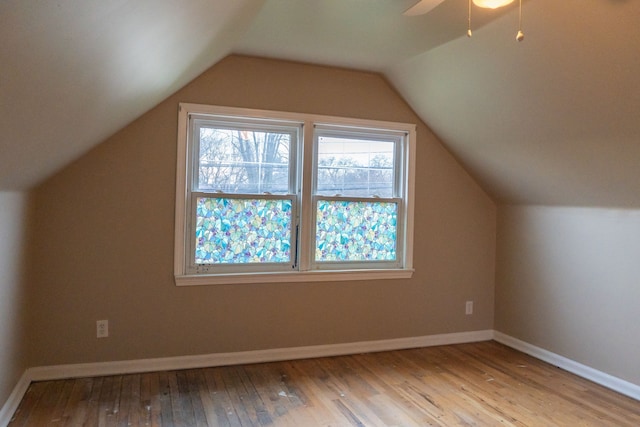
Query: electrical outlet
column 468, row 308
column 102, row 328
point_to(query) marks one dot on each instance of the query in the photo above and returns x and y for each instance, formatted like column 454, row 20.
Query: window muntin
column 386, row 189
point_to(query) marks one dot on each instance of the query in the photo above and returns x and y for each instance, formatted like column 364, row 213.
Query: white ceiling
column 73, row 72
column 550, row 120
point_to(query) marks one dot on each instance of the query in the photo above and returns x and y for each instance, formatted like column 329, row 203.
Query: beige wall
column 568, row 281
column 105, row 240
column 13, row 220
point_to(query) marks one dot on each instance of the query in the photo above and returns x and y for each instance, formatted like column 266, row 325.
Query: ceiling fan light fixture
column 492, row 4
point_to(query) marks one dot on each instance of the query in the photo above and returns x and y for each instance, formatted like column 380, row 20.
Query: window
column 357, row 198
column 242, row 175
column 267, row 196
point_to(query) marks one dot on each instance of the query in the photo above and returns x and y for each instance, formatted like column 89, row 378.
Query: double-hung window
column 357, row 198
column 243, row 204
column 266, row 196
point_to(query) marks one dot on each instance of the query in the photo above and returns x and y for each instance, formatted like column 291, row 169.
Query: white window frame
column 196, row 122
column 307, row 270
column 350, row 132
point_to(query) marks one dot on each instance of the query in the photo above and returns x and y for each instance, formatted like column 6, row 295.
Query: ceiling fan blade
column 422, row 7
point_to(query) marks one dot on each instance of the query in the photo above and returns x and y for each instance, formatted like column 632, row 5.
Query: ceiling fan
column 425, row 6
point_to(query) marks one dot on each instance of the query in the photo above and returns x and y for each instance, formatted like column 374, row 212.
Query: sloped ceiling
column 552, row 120
column 73, row 72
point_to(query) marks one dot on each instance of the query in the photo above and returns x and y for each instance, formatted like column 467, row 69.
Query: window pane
column 243, row 161
column 234, row 231
column 355, row 167
column 356, row 231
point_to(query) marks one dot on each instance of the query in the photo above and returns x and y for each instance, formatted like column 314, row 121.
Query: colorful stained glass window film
column 356, row 231
column 237, row 231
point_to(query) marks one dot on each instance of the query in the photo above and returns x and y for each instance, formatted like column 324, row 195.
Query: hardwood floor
column 479, row 384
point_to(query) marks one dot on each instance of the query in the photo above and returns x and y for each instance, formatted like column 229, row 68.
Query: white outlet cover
column 468, row 309
column 102, row 328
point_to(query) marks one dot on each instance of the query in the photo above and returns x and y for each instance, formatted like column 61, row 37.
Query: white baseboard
column 244, row 357
column 616, row 384
column 44, row 373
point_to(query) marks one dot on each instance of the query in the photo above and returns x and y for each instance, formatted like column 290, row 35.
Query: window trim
column 305, row 274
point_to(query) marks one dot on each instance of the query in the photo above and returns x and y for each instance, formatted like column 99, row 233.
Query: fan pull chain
column 469, row 33
column 520, row 35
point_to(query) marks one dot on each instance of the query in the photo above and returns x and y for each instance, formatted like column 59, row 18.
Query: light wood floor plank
column 479, row 384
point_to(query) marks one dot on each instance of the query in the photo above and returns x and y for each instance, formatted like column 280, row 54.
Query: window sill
column 297, row 276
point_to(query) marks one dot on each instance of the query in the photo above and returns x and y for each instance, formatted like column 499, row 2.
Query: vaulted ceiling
column 553, row 120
